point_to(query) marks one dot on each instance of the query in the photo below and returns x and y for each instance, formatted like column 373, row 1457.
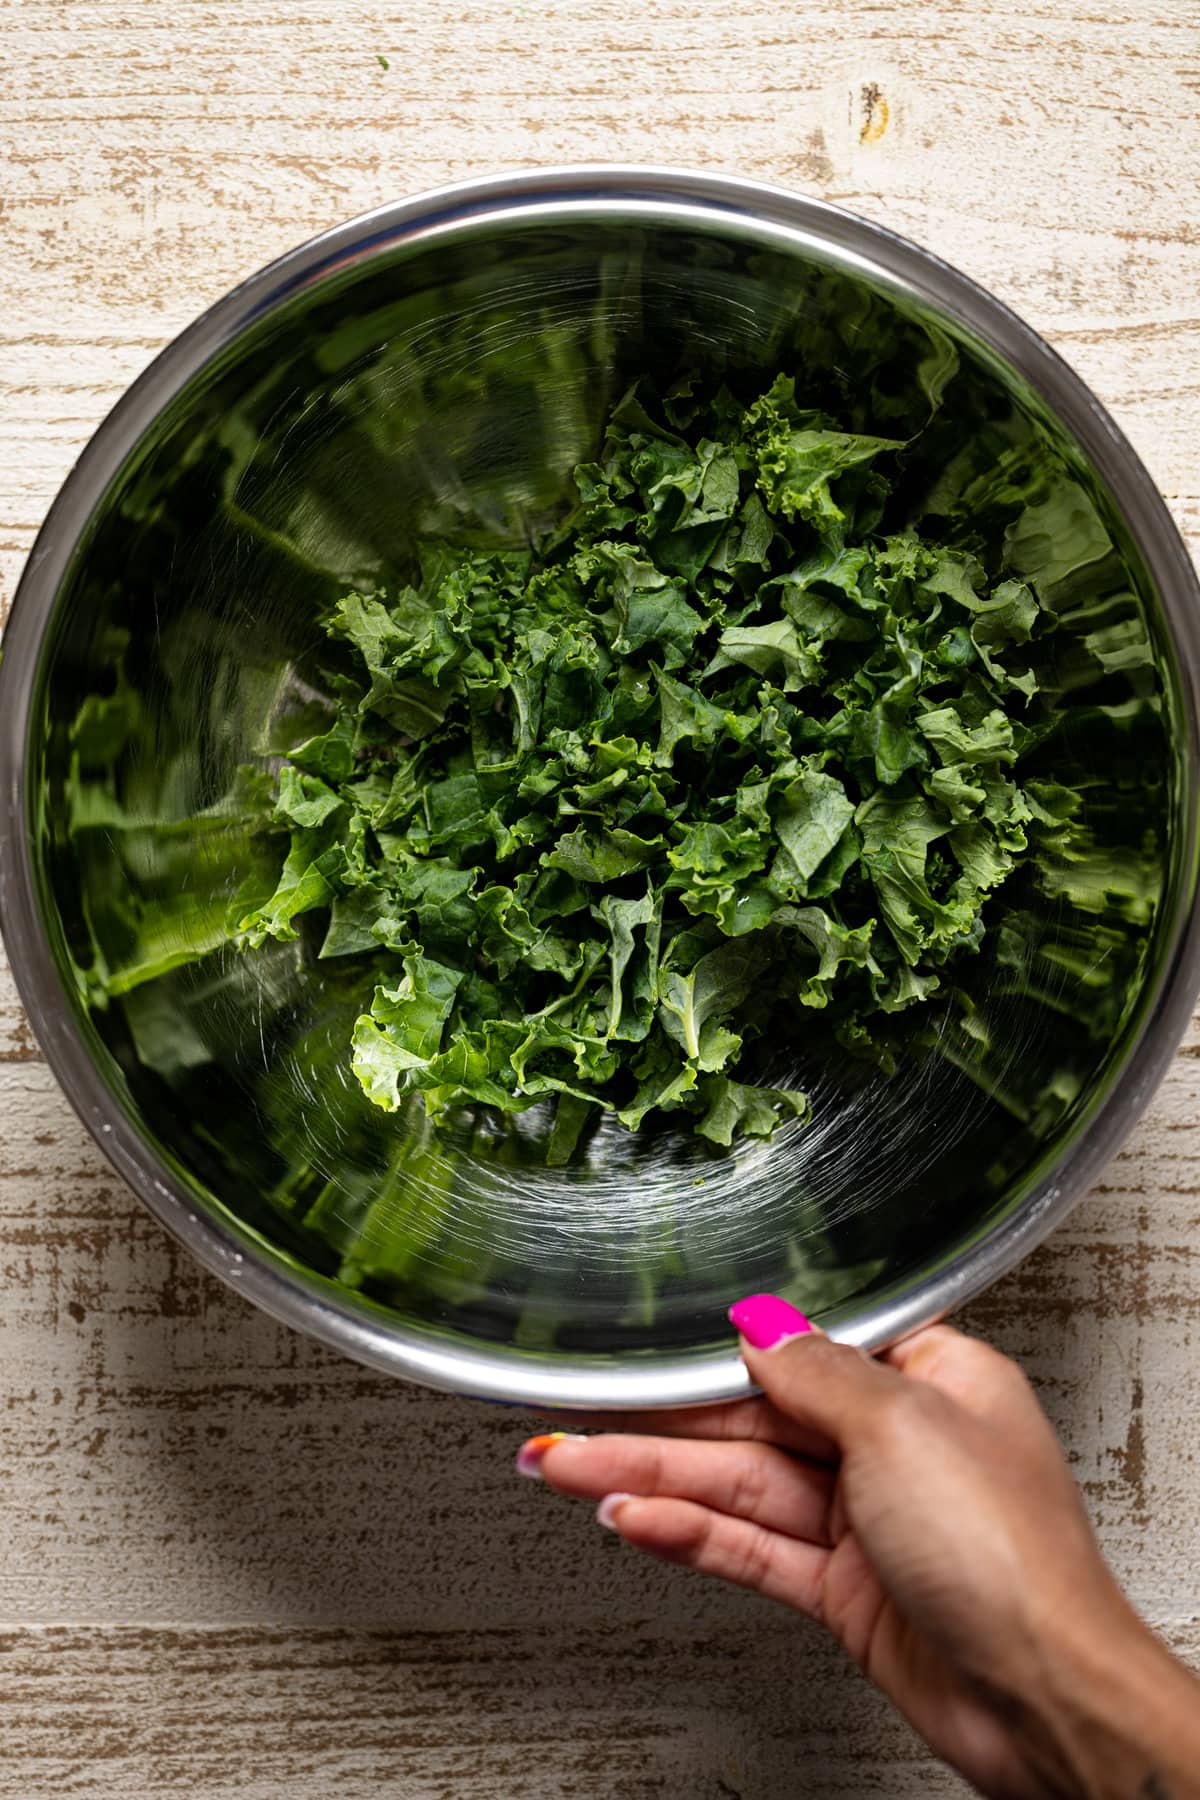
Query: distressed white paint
column 275, row 1572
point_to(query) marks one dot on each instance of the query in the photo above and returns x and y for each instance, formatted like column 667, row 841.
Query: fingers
column 926, row 1351
column 808, row 1406
column 754, row 1420
column 983, row 1380
column 780, row 1415
column 736, row 1550
column 830, row 1391
column 733, row 1419
column 751, row 1481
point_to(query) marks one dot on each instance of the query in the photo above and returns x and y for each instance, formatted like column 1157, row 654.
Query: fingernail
column 765, row 1320
column 529, row 1456
column 609, row 1507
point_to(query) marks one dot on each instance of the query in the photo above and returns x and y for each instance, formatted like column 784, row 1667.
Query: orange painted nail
column 529, row 1456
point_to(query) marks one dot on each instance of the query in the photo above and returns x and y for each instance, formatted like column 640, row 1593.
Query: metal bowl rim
column 310, row 1303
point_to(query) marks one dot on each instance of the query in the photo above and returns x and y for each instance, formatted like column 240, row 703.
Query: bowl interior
column 445, row 386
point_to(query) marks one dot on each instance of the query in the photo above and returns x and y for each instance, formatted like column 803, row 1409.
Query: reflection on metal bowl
column 437, row 368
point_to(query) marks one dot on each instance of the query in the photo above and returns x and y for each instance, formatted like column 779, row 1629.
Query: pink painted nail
column 529, row 1456
column 765, row 1320
column 609, row 1507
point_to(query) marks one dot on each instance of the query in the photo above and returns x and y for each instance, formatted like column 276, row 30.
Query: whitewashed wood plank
column 626, row 1713
column 629, row 1713
column 168, row 1455
column 17, row 1042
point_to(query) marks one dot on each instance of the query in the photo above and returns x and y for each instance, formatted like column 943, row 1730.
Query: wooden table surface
column 231, row 1563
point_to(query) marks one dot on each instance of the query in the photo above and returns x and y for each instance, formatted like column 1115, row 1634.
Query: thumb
column 831, row 1388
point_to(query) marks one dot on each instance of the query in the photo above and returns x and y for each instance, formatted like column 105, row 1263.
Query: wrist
column 1112, row 1714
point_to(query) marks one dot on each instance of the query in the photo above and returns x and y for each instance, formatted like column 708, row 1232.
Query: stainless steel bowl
column 437, row 365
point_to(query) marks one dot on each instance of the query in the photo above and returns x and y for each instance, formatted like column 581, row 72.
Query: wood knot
column 875, row 114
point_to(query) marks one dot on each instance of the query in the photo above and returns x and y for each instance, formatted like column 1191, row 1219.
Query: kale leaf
column 727, row 743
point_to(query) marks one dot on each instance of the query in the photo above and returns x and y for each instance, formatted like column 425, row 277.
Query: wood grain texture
column 229, row 1561
column 626, row 1713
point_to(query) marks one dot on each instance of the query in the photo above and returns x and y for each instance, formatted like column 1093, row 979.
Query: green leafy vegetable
column 727, row 746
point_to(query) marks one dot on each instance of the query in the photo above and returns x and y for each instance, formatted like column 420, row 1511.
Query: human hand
column 920, row 1506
